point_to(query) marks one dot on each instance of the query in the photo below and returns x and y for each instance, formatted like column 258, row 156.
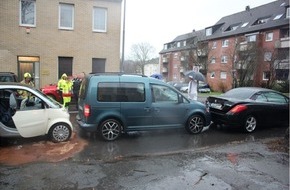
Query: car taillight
column 87, row 111
column 238, row 109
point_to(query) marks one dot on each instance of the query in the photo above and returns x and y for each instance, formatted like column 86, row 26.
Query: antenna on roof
column 247, row 8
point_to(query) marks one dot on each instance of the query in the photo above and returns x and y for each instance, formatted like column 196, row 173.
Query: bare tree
column 141, row 54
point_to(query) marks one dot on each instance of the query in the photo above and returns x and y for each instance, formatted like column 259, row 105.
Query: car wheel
column 60, row 132
column 195, row 124
column 250, row 124
column 110, row 129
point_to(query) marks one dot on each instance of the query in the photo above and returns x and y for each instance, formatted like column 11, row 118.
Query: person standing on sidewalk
column 192, row 89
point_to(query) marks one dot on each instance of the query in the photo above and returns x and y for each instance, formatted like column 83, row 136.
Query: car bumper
column 233, row 121
column 85, row 126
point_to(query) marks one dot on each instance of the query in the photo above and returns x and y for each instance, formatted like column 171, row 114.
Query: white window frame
column 213, row 45
column 225, row 43
column 178, row 44
column 223, row 75
column 268, row 56
column 33, row 15
column 224, row 59
column 100, row 25
column 288, row 12
column 165, row 46
column 269, row 36
column 265, row 73
column 213, row 60
column 67, row 17
column 212, row 75
column 184, row 43
column 208, row 31
column 252, row 38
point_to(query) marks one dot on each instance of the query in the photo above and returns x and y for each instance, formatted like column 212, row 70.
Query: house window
column 245, row 24
column 100, row 19
column 223, row 75
column 277, row 17
column 165, row 46
column 224, row 59
column 212, row 60
column 269, row 36
column 208, row 31
column 178, row 44
column 232, row 27
column 184, row 43
column 212, row 74
column 251, row 38
column 266, row 75
column 225, row 43
column 27, row 13
column 261, row 20
column 267, row 56
column 66, row 16
column 288, row 13
column 213, row 45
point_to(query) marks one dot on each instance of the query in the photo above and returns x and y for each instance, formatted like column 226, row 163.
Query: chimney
column 248, row 8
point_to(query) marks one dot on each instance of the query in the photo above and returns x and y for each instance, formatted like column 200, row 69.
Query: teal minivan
column 115, row 103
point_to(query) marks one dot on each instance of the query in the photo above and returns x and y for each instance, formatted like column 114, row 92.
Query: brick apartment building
column 249, row 48
column 48, row 38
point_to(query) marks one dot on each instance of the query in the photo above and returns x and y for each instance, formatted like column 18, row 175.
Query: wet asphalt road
column 173, row 159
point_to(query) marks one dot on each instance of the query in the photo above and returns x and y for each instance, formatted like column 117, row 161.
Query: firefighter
column 27, row 81
column 64, row 85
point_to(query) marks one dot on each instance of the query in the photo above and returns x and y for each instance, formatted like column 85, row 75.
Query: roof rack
column 117, row 73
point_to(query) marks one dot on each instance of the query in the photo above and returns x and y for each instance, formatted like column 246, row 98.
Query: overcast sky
column 159, row 21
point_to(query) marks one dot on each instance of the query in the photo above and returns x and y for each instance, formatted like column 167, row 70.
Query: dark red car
column 51, row 91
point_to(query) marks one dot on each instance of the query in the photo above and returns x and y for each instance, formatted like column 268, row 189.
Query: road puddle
column 40, row 151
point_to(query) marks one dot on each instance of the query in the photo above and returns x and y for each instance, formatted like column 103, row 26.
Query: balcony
column 282, row 43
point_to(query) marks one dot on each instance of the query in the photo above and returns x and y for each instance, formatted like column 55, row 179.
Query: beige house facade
column 49, row 38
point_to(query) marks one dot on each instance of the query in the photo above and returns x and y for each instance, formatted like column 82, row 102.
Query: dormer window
column 262, row 20
column 277, row 17
column 288, row 13
column 178, row 44
column 208, row 31
column 245, row 24
column 232, row 27
column 165, row 46
column 184, row 43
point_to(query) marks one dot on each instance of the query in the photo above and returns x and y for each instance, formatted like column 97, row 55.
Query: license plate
column 216, row 106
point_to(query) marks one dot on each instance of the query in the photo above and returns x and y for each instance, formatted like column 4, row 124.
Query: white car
column 32, row 115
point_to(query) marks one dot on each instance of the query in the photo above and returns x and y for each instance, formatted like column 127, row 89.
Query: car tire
column 250, row 124
column 195, row 124
column 60, row 132
column 110, row 130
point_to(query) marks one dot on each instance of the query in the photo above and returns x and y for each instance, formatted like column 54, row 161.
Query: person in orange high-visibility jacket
column 65, row 86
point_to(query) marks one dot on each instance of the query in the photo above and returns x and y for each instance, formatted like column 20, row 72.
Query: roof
column 199, row 35
column 237, row 22
column 271, row 15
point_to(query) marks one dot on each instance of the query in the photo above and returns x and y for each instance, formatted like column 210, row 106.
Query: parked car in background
column 249, row 107
column 32, row 115
column 52, row 92
column 202, row 88
column 8, row 77
column 112, row 104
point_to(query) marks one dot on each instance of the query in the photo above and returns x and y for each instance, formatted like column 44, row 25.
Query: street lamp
column 123, row 39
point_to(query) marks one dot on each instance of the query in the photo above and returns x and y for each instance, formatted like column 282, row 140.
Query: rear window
column 238, row 93
column 121, row 92
column 83, row 87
